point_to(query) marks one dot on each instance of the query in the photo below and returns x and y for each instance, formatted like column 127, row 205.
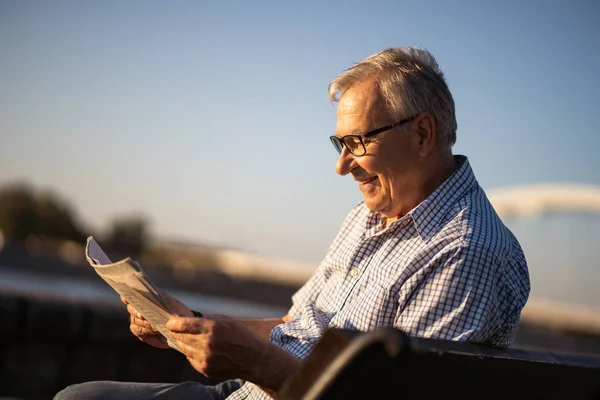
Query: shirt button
column 354, row 272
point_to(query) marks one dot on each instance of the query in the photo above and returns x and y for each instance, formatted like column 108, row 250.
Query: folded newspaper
column 128, row 279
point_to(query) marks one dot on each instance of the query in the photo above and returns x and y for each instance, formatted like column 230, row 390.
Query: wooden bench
column 389, row 364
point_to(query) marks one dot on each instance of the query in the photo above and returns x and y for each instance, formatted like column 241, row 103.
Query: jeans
column 104, row 390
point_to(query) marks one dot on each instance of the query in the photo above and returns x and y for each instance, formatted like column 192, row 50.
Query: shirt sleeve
column 309, row 292
column 456, row 298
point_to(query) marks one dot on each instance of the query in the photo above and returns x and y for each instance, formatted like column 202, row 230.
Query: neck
column 441, row 170
column 431, row 177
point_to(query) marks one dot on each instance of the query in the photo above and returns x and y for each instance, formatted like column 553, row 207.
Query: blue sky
column 213, row 117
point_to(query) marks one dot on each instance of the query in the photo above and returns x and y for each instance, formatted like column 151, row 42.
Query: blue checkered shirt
column 449, row 269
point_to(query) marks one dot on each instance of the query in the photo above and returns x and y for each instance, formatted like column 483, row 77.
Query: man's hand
column 144, row 331
column 222, row 347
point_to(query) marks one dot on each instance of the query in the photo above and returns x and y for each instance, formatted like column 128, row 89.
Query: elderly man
column 423, row 252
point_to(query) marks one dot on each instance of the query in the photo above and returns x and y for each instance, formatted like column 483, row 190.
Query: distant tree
column 24, row 211
column 128, row 235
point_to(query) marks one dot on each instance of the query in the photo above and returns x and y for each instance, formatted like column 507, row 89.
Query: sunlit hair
column 410, row 81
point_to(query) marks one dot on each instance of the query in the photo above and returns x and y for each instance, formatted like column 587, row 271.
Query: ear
column 427, row 133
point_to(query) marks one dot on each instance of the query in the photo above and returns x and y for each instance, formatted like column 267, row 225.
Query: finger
column 134, row 312
column 188, row 352
column 124, row 301
column 142, row 323
column 178, row 337
column 195, row 350
column 141, row 332
column 198, row 366
column 196, row 358
column 186, row 325
column 196, row 342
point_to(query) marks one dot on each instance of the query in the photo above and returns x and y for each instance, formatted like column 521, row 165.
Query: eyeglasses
column 356, row 144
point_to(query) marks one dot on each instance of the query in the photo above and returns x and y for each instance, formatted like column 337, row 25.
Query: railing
column 46, row 345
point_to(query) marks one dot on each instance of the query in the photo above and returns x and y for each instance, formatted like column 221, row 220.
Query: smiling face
column 389, row 175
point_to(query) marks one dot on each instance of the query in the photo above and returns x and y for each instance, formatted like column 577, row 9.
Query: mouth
column 366, row 181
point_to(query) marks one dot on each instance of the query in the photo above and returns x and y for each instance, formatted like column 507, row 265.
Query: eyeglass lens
column 353, row 144
column 337, row 143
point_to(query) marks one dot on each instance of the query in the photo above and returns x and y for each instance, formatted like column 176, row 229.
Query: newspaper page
column 128, row 279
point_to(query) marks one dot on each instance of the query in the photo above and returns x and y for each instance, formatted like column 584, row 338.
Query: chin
column 374, row 205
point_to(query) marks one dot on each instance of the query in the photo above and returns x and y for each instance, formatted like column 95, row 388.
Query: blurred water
column 563, row 253
column 74, row 290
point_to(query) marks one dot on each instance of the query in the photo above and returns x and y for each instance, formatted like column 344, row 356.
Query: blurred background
column 193, row 136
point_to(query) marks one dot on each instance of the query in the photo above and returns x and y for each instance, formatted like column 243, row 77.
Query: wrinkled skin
column 144, row 331
column 222, row 347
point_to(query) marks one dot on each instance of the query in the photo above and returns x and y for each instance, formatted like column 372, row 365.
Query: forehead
column 360, row 108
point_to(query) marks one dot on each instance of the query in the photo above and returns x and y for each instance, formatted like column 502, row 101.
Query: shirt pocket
column 372, row 309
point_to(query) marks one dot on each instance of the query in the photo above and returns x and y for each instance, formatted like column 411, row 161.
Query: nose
column 345, row 162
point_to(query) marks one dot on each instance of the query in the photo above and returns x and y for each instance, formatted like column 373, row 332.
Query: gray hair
column 410, row 81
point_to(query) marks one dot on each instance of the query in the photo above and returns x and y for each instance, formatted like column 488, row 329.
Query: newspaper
column 128, row 279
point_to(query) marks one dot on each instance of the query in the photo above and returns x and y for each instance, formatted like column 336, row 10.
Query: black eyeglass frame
column 339, row 142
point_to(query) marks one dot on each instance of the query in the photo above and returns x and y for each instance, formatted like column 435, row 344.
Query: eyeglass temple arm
column 385, row 128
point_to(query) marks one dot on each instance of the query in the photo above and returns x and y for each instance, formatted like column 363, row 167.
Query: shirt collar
column 428, row 215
